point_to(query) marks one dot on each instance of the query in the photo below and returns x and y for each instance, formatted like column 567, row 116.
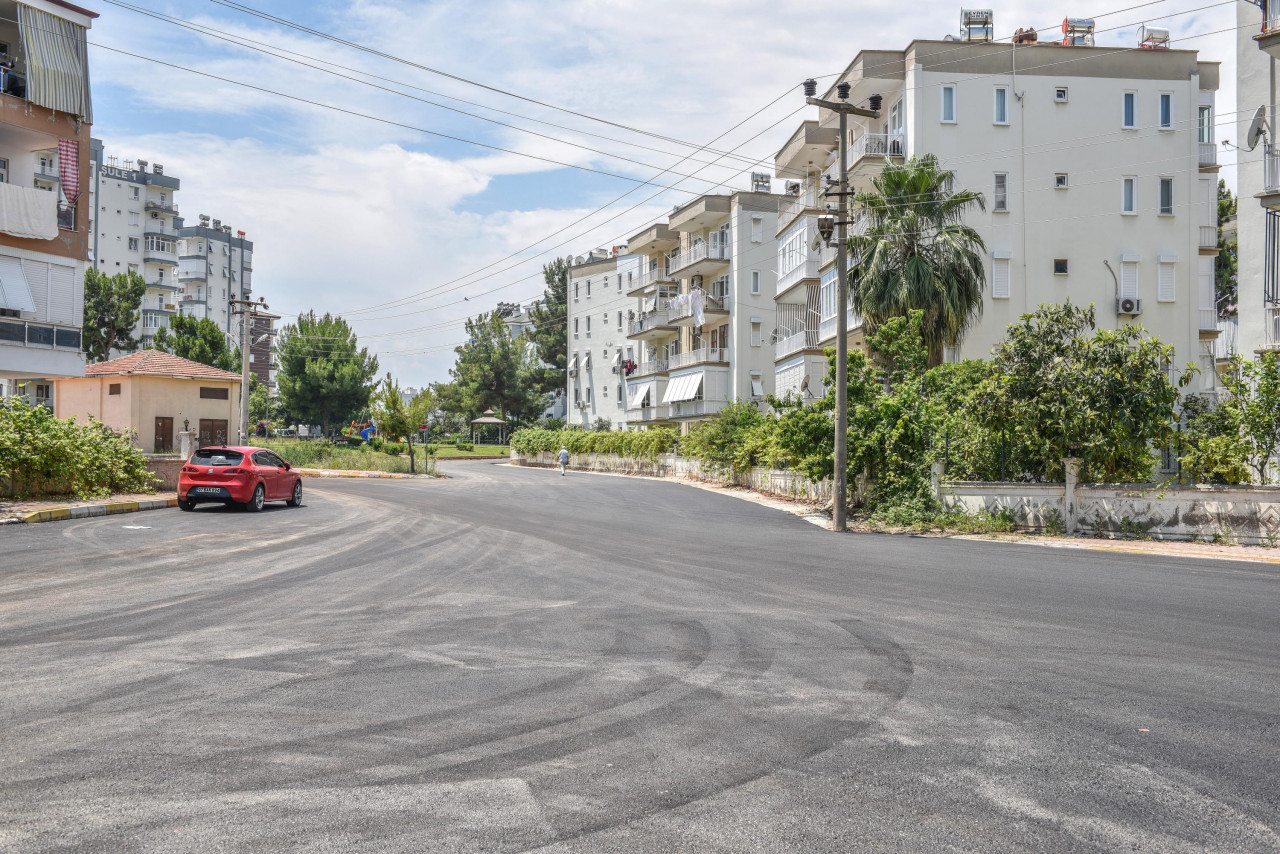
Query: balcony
column 702, row 259
column 1271, row 176
column 66, row 216
column 1208, row 323
column 161, row 207
column 827, row 328
column 46, row 335
column 807, row 200
column 796, row 342
column 159, row 256
column 648, row 369
column 713, row 308
column 652, row 326
column 649, row 413
column 696, row 408
column 701, row 356
column 1209, row 237
column 160, row 228
column 1208, row 155
column 1269, row 39
column 648, row 279
column 1271, row 320
column 877, row 146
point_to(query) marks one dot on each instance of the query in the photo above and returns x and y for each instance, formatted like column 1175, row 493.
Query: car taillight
column 234, row 471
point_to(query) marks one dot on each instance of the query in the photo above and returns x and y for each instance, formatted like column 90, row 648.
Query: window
column 1000, row 203
column 1129, row 196
column 949, row 184
column 757, row 229
column 605, row 322
column 575, row 291
column 1060, row 181
column 1129, row 279
column 133, row 244
column 577, row 394
column 575, row 326
column 619, row 394
column 1002, row 105
column 588, row 398
column 619, row 321
column 1060, row 94
column 135, row 218
column 1130, row 117
column 755, row 333
column 113, row 388
column 1000, row 278
column 1166, row 279
column 135, row 192
column 1059, row 266
column 208, row 393
column 588, row 287
column 620, row 281
column 1166, row 197
column 4, row 171
column 1204, row 123
column 588, row 324
column 604, row 391
column 755, row 281
column 1166, row 111
column 949, row 104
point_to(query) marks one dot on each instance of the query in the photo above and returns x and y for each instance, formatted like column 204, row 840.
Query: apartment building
column 599, row 347
column 132, row 220
column 1097, row 164
column 1258, row 177
column 704, row 300
column 262, row 338
column 215, row 267
column 45, row 119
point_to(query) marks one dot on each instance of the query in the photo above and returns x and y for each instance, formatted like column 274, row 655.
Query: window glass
column 216, row 457
column 1002, row 105
column 1166, row 110
column 948, row 103
column 1001, row 194
column 1166, row 196
column 1130, row 109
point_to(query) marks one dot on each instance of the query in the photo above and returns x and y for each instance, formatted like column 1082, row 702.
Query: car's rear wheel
column 259, row 498
column 186, row 505
column 296, row 499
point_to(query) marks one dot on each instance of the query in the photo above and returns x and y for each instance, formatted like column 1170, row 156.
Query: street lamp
column 840, row 223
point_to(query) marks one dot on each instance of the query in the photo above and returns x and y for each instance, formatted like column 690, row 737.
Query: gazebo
column 478, row 424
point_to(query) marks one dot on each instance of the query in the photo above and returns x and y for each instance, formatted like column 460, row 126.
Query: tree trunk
column 412, row 470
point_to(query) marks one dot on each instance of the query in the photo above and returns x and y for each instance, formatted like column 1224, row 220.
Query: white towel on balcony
column 699, row 312
column 26, row 212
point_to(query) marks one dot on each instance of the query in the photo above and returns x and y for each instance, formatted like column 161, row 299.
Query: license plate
column 209, row 490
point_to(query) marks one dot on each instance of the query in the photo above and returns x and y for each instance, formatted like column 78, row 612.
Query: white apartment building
column 133, row 225
column 703, row 308
column 215, row 266
column 1098, row 168
column 597, row 331
column 45, row 119
column 1258, row 177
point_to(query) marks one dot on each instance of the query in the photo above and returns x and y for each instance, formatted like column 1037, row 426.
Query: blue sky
column 349, row 214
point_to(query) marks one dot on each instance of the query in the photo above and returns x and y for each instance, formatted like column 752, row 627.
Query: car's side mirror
column 287, row 467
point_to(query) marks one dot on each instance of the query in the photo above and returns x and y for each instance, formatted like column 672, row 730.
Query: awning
column 639, row 394
column 15, row 293
column 757, row 388
column 617, row 357
column 682, row 388
column 57, row 62
column 573, row 363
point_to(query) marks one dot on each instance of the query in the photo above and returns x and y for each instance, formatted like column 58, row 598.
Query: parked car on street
column 244, row 476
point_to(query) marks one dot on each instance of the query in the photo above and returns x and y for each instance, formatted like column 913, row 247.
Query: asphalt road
column 515, row 661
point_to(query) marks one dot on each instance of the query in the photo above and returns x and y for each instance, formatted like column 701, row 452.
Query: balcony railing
column 1208, row 154
column 794, row 343
column 644, row 369
column 649, row 413
column 709, row 303
column 1208, row 320
column 808, row 198
column 66, row 216
column 1270, row 16
column 706, row 250
column 689, row 408
column 39, row 335
column 878, row 145
column 1271, row 165
column 652, row 320
column 699, row 356
column 1208, row 237
column 652, row 277
column 161, row 207
column 827, row 329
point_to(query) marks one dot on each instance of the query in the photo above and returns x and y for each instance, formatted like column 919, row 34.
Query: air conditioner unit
column 1128, row 305
column 793, row 188
column 573, row 372
column 582, row 404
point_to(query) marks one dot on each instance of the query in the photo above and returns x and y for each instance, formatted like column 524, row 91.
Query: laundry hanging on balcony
column 27, row 212
column 698, row 306
column 57, row 62
column 69, row 169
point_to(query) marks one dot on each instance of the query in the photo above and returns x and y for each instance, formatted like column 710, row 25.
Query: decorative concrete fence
column 770, row 481
column 1249, row 515
column 166, row 468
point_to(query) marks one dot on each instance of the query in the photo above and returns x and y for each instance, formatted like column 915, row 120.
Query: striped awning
column 57, row 62
column 683, row 388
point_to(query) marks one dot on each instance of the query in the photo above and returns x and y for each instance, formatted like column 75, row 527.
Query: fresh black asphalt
column 510, row 660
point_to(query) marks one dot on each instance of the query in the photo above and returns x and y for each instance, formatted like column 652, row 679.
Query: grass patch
column 325, row 455
column 449, row 451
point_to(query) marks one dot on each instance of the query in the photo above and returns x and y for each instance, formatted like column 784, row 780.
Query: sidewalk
column 377, row 474
column 59, row 509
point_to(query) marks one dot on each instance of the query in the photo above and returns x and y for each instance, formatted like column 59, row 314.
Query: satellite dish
column 1257, row 129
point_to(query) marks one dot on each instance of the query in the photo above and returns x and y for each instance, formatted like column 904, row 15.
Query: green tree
column 550, row 333
column 494, row 372
column 197, row 339
column 1059, row 387
column 1254, row 405
column 1227, row 266
column 325, row 377
column 111, row 311
column 392, row 417
column 916, row 253
column 1211, row 447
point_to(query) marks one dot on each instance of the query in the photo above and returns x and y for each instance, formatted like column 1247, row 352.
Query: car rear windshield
column 216, row 457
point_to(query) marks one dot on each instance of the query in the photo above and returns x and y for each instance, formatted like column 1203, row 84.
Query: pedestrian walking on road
column 564, row 459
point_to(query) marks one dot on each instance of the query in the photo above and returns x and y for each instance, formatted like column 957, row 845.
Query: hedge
column 629, row 444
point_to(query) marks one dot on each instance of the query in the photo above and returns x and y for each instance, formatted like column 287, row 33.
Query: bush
column 395, row 449
column 354, row 441
column 376, row 442
column 44, row 455
column 630, row 444
column 464, row 446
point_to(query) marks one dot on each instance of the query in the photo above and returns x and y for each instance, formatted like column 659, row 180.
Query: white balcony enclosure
column 701, row 356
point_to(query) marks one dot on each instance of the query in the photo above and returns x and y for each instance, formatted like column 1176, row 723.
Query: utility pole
column 843, row 109
column 247, row 309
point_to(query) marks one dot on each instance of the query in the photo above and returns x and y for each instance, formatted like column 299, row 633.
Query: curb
column 110, row 508
column 374, row 474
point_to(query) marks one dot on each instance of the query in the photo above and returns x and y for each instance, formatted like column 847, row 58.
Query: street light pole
column 843, row 109
column 247, row 309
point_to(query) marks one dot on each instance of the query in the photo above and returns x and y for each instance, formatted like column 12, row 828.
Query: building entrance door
column 164, row 435
column 212, row 432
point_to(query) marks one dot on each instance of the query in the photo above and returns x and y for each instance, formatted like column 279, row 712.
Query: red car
column 246, row 476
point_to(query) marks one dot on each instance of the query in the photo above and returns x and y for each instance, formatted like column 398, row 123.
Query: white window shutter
column 1000, row 278
column 1165, row 279
column 1129, row 279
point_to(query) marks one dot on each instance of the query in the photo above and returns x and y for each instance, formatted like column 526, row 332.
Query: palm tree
column 916, row 252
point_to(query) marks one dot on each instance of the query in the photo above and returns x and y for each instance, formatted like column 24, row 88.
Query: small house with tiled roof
column 156, row 395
